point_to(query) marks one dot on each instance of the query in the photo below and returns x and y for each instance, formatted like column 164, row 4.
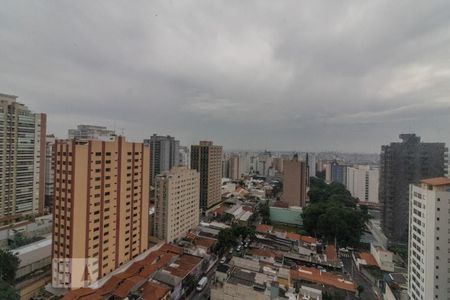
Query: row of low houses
column 166, row 272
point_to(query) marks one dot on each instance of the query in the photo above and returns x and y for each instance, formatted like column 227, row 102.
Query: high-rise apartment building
column 22, row 160
column 277, row 164
column 401, row 164
column 101, row 208
column 177, row 203
column 164, row 154
column 234, row 167
column 206, row 158
column 92, row 132
column 429, row 240
column 294, row 182
column 184, row 158
column 311, row 161
column 362, row 182
column 338, row 173
column 231, row 167
column 49, row 170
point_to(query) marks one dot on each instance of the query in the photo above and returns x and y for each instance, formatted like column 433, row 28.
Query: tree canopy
column 8, row 266
column 333, row 214
column 229, row 237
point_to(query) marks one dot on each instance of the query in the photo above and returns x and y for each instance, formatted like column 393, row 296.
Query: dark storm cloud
column 306, row 75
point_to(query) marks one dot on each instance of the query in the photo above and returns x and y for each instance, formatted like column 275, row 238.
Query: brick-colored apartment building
column 101, row 207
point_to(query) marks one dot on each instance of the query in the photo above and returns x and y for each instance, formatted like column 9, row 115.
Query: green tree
column 333, row 214
column 7, row 291
column 264, row 212
column 8, row 266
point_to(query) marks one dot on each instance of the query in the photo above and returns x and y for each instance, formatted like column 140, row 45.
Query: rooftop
column 121, row 284
column 264, row 228
column 154, row 291
column 317, row 276
column 370, row 260
column 438, row 181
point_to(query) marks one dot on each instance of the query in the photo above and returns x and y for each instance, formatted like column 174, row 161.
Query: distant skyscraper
column 311, row 159
column 327, row 169
column 49, row 170
column 338, row 173
column 177, row 203
column 206, row 158
column 294, row 182
column 362, row 182
column 402, row 164
column 22, row 160
column 277, row 164
column 91, row 132
column 101, row 209
column 164, row 153
column 429, row 240
column 233, row 167
column 184, row 158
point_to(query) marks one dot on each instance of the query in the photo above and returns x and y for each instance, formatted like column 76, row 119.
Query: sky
column 281, row 75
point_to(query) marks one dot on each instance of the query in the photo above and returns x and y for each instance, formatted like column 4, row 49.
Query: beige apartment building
column 177, row 203
column 233, row 167
column 294, row 182
column 206, row 158
column 22, row 160
column 101, row 208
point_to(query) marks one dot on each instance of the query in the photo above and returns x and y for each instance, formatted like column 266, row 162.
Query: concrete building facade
column 401, row 164
column 362, row 182
column 22, row 160
column 49, row 170
column 311, row 161
column 429, row 243
column 177, row 203
column 206, row 159
column 184, row 156
column 92, row 132
column 101, row 208
column 339, row 173
column 164, row 154
column 294, row 182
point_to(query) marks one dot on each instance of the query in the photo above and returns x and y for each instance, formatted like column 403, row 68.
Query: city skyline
column 278, row 76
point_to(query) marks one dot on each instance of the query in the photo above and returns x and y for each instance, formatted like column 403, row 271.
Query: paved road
column 206, row 292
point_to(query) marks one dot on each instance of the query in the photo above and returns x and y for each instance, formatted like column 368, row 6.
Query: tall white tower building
column 429, row 244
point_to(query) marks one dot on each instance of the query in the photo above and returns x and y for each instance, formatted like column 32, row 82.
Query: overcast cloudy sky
column 294, row 75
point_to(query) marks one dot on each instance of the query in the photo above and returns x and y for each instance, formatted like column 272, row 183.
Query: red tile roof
column 264, row 228
column 293, row 236
column 205, row 242
column 316, row 276
column 120, row 284
column 155, row 291
column 78, row 293
column 183, row 265
column 298, row 237
column 308, row 239
column 263, row 252
column 370, row 260
column 125, row 287
column 437, row 181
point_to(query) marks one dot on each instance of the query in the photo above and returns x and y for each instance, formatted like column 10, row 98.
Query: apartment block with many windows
column 206, row 158
column 429, row 240
column 177, row 203
column 22, row 160
column 101, row 208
